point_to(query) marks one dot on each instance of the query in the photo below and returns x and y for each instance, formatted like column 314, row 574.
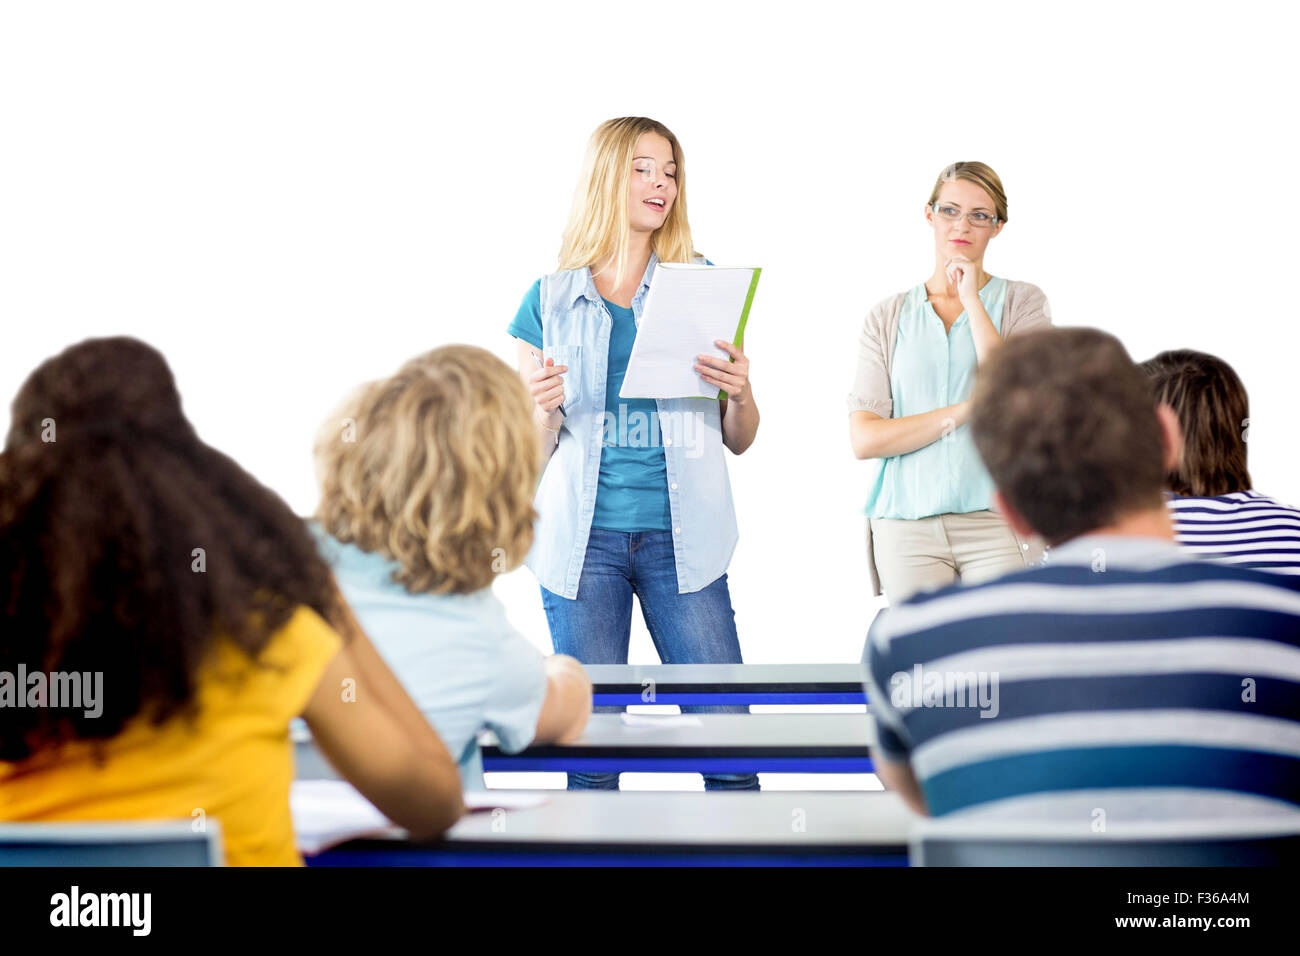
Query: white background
column 291, row 198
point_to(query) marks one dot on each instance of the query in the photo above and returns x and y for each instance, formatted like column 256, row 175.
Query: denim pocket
column 570, row 355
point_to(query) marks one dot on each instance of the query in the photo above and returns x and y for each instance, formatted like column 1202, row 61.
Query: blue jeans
column 596, row 627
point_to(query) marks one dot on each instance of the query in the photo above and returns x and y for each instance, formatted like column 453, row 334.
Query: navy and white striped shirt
column 1244, row 528
column 1122, row 678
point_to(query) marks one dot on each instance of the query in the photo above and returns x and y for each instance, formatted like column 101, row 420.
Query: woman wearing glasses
column 634, row 496
column 929, row 505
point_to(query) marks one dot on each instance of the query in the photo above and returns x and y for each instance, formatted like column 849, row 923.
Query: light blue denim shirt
column 575, row 332
column 931, row 369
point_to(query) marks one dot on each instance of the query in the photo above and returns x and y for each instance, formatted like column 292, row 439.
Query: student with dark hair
column 1216, row 512
column 1121, row 674
column 189, row 608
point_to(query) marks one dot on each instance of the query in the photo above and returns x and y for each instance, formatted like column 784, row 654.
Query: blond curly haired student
column 426, row 484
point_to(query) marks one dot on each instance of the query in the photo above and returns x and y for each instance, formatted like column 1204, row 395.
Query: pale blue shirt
column 457, row 655
column 929, row 370
column 576, row 328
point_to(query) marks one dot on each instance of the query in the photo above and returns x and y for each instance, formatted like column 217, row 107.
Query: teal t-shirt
column 632, row 491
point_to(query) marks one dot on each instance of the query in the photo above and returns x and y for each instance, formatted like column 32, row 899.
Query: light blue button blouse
column 929, row 370
column 632, row 490
column 576, row 329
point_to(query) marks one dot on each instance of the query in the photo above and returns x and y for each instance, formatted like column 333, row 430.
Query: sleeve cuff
column 857, row 403
column 524, row 334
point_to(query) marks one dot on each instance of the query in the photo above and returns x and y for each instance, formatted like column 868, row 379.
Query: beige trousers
column 927, row 553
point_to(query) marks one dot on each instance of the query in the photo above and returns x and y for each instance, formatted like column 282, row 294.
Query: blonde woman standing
column 929, row 510
column 634, row 497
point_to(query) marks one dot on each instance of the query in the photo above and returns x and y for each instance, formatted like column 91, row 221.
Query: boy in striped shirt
column 1123, row 676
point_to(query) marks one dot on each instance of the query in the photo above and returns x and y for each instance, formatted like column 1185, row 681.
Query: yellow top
column 234, row 763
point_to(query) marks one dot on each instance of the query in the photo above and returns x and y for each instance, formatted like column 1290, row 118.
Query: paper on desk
column 503, row 799
column 662, row 720
column 329, row 812
column 687, row 308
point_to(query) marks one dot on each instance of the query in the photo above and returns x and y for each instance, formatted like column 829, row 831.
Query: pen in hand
column 538, row 361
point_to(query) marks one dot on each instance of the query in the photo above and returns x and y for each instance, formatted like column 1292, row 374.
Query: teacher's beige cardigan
column 1024, row 309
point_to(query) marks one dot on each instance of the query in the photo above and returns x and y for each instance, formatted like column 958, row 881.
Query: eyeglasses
column 978, row 218
column 649, row 169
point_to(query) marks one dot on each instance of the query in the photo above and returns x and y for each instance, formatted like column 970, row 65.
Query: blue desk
column 720, row 743
column 621, row 684
column 577, row 828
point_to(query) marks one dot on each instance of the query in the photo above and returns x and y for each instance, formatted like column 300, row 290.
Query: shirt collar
column 990, row 287
column 587, row 289
column 1118, row 550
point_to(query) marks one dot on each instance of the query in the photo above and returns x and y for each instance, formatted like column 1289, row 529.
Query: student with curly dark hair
column 147, row 570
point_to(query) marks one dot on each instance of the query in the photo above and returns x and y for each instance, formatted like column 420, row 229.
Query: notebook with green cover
column 688, row 306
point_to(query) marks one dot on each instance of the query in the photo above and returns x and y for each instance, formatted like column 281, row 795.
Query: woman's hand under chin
column 962, row 273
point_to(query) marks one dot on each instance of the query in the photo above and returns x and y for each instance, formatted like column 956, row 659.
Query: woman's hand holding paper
column 731, row 376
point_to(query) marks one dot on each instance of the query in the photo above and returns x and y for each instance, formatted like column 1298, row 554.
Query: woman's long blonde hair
column 598, row 223
column 434, row 468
